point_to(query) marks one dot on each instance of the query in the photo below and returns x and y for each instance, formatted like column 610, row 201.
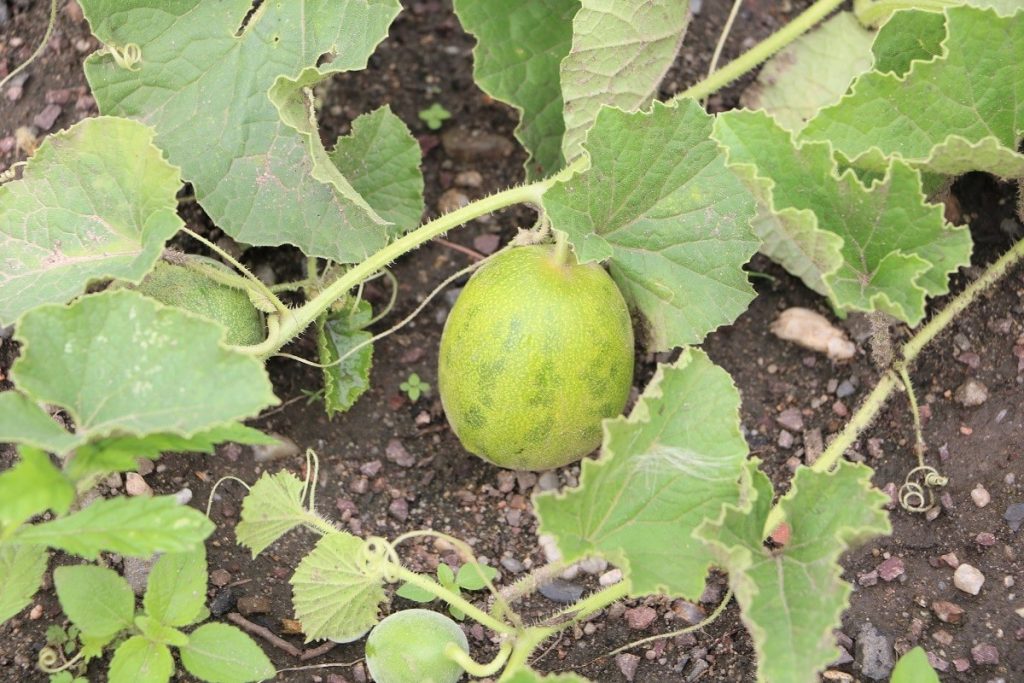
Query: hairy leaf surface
column 21, row 572
column 337, row 333
column 272, row 508
column 659, row 202
column 674, row 462
column 95, row 201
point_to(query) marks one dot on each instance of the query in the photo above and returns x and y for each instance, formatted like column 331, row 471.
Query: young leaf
column 140, row 660
column 251, row 172
column 519, row 47
column 811, row 72
column 880, row 247
column 272, row 508
column 176, row 589
column 974, row 118
column 334, row 594
column 23, row 421
column 621, row 49
column 473, row 576
column 445, row 576
column 160, row 633
column 415, row 593
column 381, row 159
column 96, row 599
column 21, row 572
column 674, row 462
column 31, row 487
column 121, row 453
column 138, row 527
column 336, row 334
column 914, row 667
column 659, row 201
column 792, row 598
column 121, row 363
column 219, row 653
column 53, row 240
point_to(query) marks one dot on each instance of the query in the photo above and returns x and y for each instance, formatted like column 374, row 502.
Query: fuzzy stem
column 560, row 256
column 762, row 51
column 871, row 406
column 295, row 321
column 524, row 646
column 468, row 608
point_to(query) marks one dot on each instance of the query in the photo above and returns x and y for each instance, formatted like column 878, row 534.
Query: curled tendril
column 918, row 496
column 49, row 661
column 127, row 57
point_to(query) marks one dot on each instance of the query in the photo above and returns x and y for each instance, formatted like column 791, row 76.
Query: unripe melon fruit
column 194, row 292
column 408, row 647
column 534, row 355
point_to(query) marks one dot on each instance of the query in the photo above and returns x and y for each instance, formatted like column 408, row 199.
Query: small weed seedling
column 434, row 116
column 414, row 387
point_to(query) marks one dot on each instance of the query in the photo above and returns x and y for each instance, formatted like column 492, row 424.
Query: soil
column 426, row 59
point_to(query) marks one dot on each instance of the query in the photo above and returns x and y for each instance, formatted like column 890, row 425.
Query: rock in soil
column 968, row 579
column 947, row 611
column 562, row 591
column 971, row 393
column 874, row 653
column 640, row 618
column 627, row 664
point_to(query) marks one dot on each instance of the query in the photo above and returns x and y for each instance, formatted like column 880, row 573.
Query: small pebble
column 549, row 548
column 868, row 578
column 562, row 591
column 396, row 453
column 951, row 560
column 627, row 664
column 471, row 179
column 1014, row 516
column 984, row 654
column 891, row 569
column 961, row 664
column 594, row 565
column 548, row 481
column 36, row 613
column 947, row 611
column 253, row 604
column 968, row 579
column 943, row 637
column 791, row 419
column 282, row 448
column 45, row 119
column 610, row 578
column 399, row 509
column 980, row 496
column 785, row 439
column 639, row 618
column 135, row 485
column 220, row 577
column 985, row 539
column 971, row 393
column 451, row 200
column 845, row 389
column 183, row 497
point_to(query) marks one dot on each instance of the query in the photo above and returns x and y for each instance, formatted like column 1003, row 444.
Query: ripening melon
column 534, row 355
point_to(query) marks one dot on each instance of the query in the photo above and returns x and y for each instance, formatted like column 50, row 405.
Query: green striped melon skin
column 534, row 355
column 179, row 286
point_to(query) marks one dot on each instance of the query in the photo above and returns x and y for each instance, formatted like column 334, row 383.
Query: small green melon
column 192, row 291
column 408, row 647
column 534, row 355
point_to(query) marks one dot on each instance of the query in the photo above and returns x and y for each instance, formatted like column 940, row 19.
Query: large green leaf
column 219, row 653
column 811, row 72
column 272, row 508
column 131, row 526
column 337, row 333
column 382, row 160
column 203, row 82
column 176, row 588
column 140, row 660
column 519, row 49
column 908, row 36
column 335, row 595
column 21, row 572
column 878, row 247
column 95, row 201
column 674, row 462
column 32, row 486
column 792, row 598
column 963, row 111
column 659, row 202
column 96, row 599
column 621, row 49
column 120, row 363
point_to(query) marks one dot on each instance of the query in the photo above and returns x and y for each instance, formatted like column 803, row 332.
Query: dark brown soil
column 427, row 59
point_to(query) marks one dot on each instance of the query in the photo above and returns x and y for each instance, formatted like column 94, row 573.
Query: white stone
column 980, row 496
column 594, row 565
column 135, row 485
column 550, row 548
column 610, row 578
column 968, row 579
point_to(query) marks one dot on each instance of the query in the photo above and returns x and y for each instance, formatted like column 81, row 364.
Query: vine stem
column 39, row 50
column 870, row 407
column 294, row 321
column 475, row 668
column 762, row 51
column 436, row 589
